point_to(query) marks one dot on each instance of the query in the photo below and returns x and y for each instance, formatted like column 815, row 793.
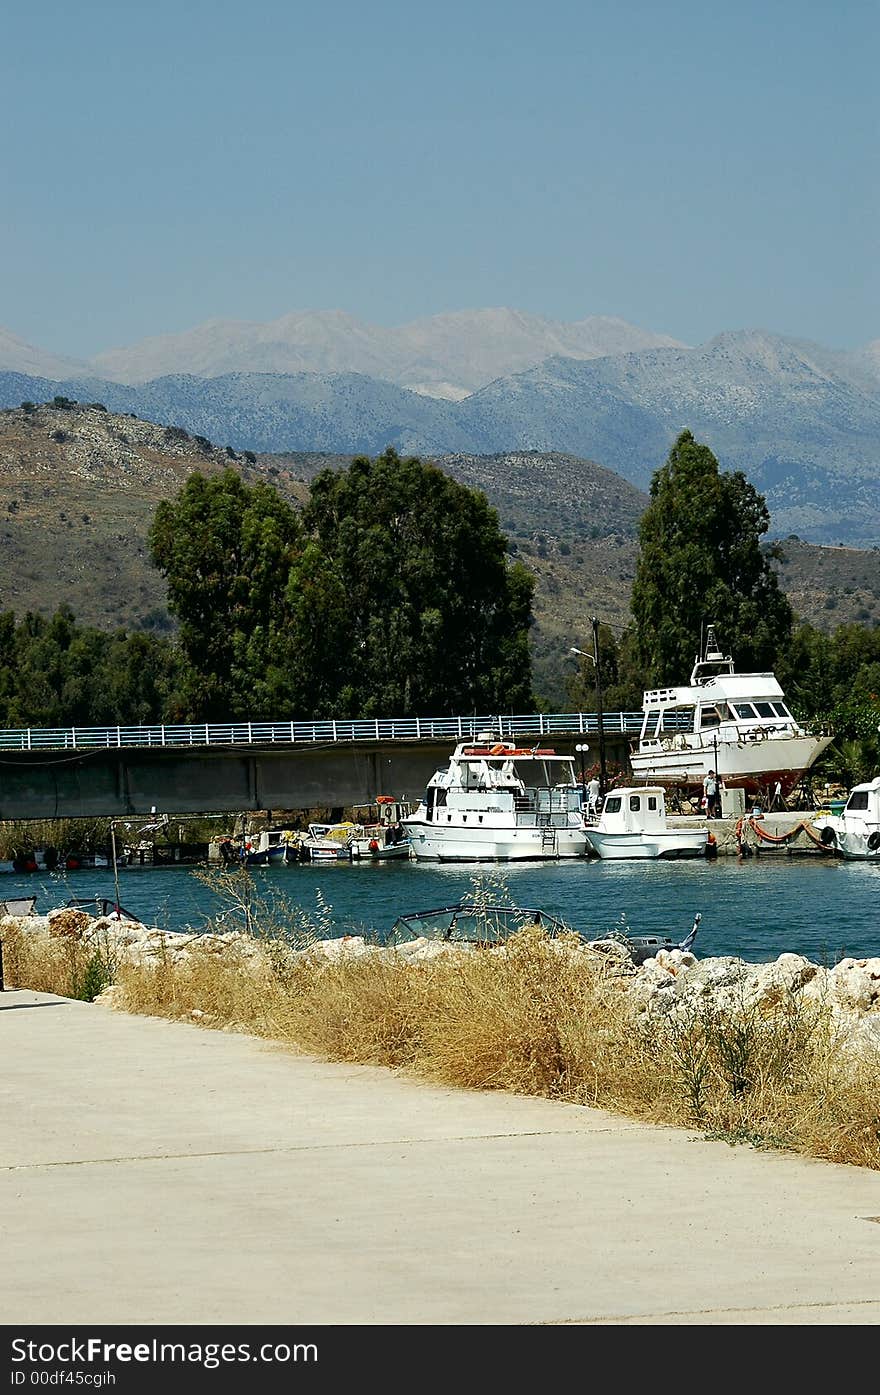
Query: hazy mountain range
column 446, row 356
column 802, row 421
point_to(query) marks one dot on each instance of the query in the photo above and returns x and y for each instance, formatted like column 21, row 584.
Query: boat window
column 709, row 717
column 781, row 710
column 745, row 709
column 679, row 719
column 612, row 804
column 858, row 800
column 652, row 801
column 765, row 709
column 635, row 802
column 441, row 797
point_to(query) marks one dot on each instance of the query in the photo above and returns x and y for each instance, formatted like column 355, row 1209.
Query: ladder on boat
column 548, row 838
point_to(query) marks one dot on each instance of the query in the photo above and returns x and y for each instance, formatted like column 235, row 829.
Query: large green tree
column 226, row 550
column 391, row 594
column 436, row 617
column 700, row 561
column 54, row 672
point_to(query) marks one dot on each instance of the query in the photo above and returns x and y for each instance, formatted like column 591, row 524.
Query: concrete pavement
column 157, row 1173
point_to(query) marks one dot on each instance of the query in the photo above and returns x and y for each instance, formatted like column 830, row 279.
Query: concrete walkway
column 158, row 1173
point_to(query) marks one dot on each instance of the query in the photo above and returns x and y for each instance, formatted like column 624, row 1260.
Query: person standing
column 710, row 790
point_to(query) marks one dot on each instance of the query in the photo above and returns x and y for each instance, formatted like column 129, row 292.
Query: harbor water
column 824, row 909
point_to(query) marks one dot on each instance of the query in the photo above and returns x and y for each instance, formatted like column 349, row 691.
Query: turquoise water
column 757, row 909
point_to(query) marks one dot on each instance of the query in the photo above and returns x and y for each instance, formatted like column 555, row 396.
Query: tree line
column 392, row 592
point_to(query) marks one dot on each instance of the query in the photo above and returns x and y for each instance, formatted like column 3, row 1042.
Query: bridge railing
column 317, row 732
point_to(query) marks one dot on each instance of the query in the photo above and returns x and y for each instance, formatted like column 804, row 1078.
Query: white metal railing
column 322, row 732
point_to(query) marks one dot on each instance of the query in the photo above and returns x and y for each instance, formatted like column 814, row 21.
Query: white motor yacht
column 737, row 724
column 499, row 802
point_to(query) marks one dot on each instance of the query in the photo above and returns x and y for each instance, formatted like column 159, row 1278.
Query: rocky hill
column 81, row 484
column 79, row 489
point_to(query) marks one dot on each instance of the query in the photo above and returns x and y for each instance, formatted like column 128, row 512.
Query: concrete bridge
column 204, row 768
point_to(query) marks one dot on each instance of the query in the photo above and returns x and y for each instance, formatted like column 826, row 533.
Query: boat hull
column 433, row 843
column 849, row 839
column 686, row 843
column 750, row 765
column 394, row 852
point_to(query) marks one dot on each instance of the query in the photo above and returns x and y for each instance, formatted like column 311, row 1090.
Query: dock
column 784, row 834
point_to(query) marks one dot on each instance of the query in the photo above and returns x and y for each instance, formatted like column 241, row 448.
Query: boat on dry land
column 736, row 724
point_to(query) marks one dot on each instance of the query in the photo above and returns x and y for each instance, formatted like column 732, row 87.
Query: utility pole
column 603, row 777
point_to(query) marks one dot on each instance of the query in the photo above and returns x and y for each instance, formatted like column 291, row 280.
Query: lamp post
column 603, row 777
column 582, row 749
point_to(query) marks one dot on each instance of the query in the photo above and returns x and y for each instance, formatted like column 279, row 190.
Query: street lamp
column 603, row 778
column 582, row 749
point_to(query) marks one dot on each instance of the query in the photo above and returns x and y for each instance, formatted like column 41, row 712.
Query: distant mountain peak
column 448, row 355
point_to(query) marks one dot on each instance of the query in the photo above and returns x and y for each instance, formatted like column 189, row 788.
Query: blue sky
column 692, row 168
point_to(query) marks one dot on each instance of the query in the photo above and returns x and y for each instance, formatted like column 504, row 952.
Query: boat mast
column 603, row 777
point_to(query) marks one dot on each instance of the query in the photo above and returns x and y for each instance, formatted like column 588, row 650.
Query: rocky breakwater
column 668, row 988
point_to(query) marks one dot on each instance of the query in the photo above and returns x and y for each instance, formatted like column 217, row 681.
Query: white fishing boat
column 855, row 831
column 737, row 724
column 383, row 837
column 329, row 842
column 499, row 802
column 633, row 824
column 279, row 845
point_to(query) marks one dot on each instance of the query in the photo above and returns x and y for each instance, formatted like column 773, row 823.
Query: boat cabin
column 505, row 779
column 748, row 706
column 634, row 810
column 861, row 812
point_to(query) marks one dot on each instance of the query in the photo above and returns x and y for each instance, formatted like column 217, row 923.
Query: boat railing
column 250, row 733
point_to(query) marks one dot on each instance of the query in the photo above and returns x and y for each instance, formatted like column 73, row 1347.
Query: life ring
column 873, row 842
column 829, row 837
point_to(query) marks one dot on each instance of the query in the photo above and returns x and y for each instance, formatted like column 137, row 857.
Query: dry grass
column 534, row 1018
